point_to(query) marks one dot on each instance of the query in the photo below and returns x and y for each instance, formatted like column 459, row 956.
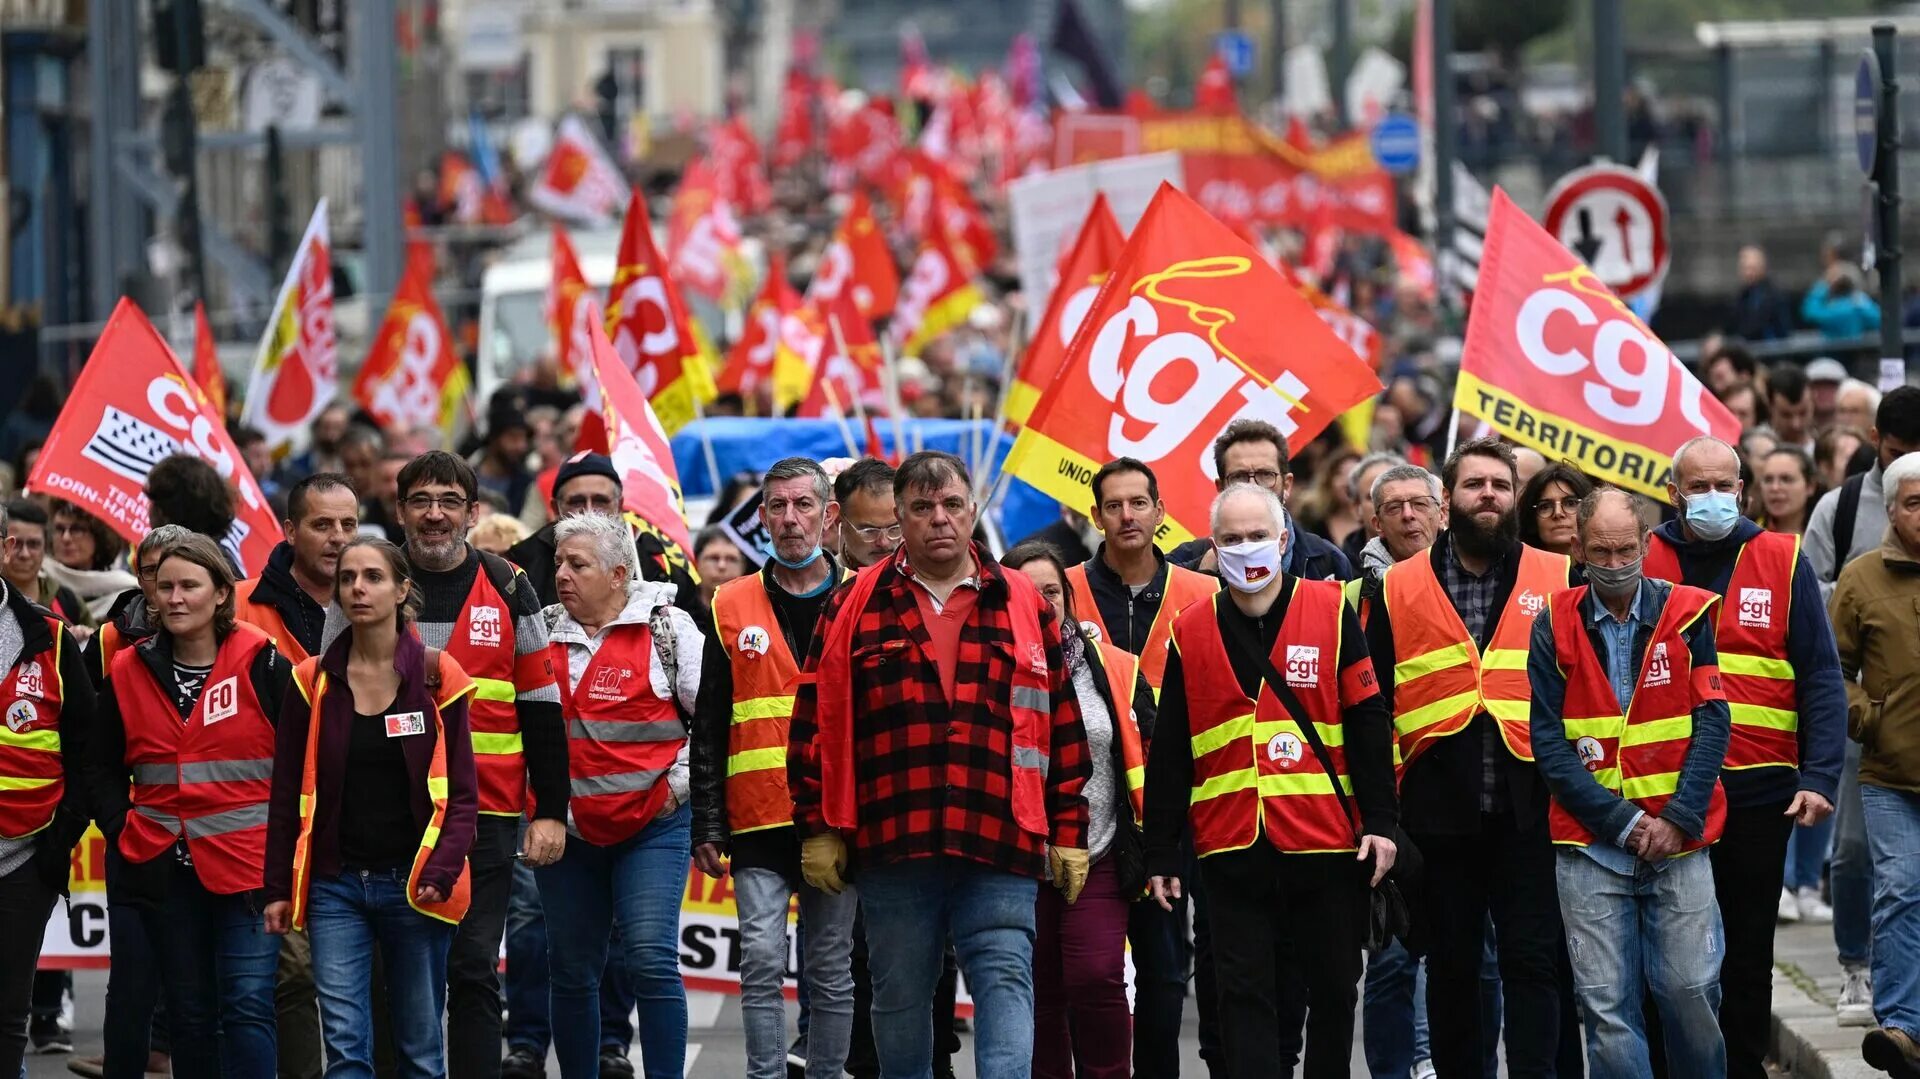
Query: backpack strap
column 433, row 670
column 1845, row 514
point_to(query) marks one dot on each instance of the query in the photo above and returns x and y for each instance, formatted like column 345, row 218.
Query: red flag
column 580, row 182
column 1192, row 331
column 794, row 136
column 1082, row 271
column 412, row 378
column 133, row 405
column 858, row 264
column 1555, row 361
column 704, row 237
column 740, row 177
column 571, row 308
column 206, row 362
column 296, row 373
column 862, row 144
column 651, row 330
column 938, row 296
column 846, row 355
column 749, row 369
column 929, row 197
column 649, row 483
column 1214, row 91
column 1416, row 266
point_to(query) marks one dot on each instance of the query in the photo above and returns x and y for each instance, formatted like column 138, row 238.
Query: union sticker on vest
column 1659, row 668
column 401, row 724
column 221, row 701
column 1303, row 665
column 483, row 628
column 1756, row 607
column 32, row 683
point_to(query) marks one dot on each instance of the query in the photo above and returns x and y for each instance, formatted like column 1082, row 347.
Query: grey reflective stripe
column 165, row 820
column 1032, row 697
column 615, row 730
column 226, row 771
column 616, row 784
column 1029, row 757
column 155, row 775
column 232, row 820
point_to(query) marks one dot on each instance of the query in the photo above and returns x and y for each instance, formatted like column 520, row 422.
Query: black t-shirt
column 377, row 829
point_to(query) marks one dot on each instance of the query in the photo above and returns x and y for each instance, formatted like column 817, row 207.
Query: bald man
column 1789, row 708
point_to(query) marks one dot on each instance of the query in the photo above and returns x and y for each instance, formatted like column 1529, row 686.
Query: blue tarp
column 751, row 445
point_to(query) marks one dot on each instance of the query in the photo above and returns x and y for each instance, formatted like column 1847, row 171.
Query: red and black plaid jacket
column 934, row 777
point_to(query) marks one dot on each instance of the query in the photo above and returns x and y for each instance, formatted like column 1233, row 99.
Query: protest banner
column 1046, row 208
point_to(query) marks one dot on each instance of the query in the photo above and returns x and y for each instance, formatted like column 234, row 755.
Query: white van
column 514, row 331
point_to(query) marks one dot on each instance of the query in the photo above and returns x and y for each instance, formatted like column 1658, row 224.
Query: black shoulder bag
column 1388, row 916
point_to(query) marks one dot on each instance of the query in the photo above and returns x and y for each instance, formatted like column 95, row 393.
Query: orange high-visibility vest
column 32, row 781
column 482, row 643
column 207, row 779
column 1638, row 755
column 1750, row 631
column 622, row 737
column 313, row 684
column 1121, row 669
column 1184, row 588
column 1441, row 679
column 764, row 673
column 266, row 618
column 1254, row 772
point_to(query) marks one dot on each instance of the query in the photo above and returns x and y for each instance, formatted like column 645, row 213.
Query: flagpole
column 840, row 342
column 890, row 379
column 1008, row 366
column 1453, row 429
column 840, row 415
column 706, row 444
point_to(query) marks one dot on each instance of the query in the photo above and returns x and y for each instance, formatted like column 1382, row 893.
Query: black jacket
column 276, row 588
column 534, row 556
column 53, row 845
column 1440, row 792
column 1308, row 555
column 128, row 617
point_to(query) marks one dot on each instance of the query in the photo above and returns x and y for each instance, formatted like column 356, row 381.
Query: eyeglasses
column 1262, row 477
column 1422, row 504
column 445, row 503
column 874, row 533
column 1553, row 507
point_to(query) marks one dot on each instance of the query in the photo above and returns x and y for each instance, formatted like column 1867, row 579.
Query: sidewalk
column 1808, row 1044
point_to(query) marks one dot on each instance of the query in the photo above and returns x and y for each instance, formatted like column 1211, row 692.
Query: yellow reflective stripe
column 762, row 708
column 1649, row 731
column 1607, row 777
column 1331, row 734
column 495, row 745
column 1651, row 786
column 493, row 689
column 16, row 783
column 1277, row 783
column 1758, row 715
column 1419, row 719
column 306, row 805
column 1504, row 659
column 47, row 741
column 431, row 837
column 756, row 760
column 1240, row 779
column 1239, row 728
column 1437, row 660
column 1595, row 727
column 437, row 788
column 1510, row 711
column 1136, row 777
column 1755, row 666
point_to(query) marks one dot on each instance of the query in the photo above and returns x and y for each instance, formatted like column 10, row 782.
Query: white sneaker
column 1790, row 907
column 1424, row 1070
column 1812, row 907
column 1855, row 1006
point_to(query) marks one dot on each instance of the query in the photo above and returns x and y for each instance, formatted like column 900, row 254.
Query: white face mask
column 1251, row 566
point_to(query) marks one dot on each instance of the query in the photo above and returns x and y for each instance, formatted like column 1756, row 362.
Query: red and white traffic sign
column 1616, row 222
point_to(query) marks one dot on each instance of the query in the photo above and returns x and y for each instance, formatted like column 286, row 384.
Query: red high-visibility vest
column 482, row 643
column 1254, row 772
column 265, row 617
column 622, row 737
column 1184, row 588
column 314, row 684
column 207, row 778
column 32, row 781
column 1441, row 679
column 1637, row 755
column 1750, row 632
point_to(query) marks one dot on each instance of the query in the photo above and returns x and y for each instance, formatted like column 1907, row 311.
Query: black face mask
column 1480, row 542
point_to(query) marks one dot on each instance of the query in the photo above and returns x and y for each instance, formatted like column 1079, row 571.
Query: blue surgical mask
column 1711, row 514
column 812, row 556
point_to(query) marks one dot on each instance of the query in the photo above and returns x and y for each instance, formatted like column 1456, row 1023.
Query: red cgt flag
column 703, row 236
column 749, row 370
column 1555, row 361
column 1191, row 332
column 857, row 262
column 206, row 362
column 1082, row 272
column 650, row 328
column 650, row 484
column 133, row 405
column 412, row 377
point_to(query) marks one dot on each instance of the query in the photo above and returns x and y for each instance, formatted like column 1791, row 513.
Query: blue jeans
column 636, row 883
column 1807, row 854
column 763, row 896
column 347, row 917
column 1893, row 834
column 1656, row 931
column 1852, row 869
column 526, row 979
column 218, row 964
column 1393, row 1012
column 911, row 909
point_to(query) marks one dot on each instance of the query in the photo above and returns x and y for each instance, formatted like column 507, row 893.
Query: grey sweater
column 1869, row 528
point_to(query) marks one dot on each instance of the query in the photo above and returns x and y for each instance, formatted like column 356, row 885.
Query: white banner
column 1048, row 208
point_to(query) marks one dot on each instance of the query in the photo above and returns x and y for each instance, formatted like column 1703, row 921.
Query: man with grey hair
column 1222, row 668
column 1789, row 709
column 1629, row 725
column 1360, row 490
column 762, row 626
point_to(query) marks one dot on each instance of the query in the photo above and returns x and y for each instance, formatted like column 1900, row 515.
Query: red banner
column 1555, row 361
column 412, row 377
column 649, row 482
column 132, row 406
column 1192, row 331
column 1082, row 271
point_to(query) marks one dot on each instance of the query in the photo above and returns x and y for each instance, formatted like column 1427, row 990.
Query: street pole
column 1443, row 132
column 376, row 76
column 1893, row 365
column 1342, row 59
column 1609, row 80
column 1277, row 47
column 1233, row 14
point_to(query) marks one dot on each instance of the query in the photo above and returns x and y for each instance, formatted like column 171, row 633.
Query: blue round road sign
column 1396, row 143
column 1866, row 110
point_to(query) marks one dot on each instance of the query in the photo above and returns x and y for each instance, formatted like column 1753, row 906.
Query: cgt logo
column 1303, row 666
column 1531, row 603
column 1659, row 668
column 1756, row 607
